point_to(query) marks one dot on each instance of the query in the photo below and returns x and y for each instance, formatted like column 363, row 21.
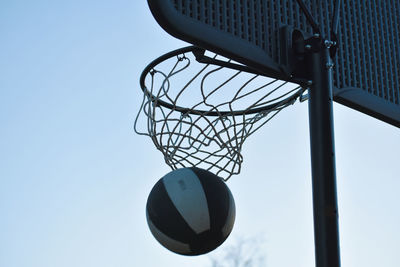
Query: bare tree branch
column 246, row 252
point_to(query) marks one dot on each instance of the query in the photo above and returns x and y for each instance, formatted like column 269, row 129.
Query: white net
column 200, row 114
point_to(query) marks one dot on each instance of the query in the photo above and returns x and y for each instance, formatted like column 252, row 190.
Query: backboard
column 257, row 33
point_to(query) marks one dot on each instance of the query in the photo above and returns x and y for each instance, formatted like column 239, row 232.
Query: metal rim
column 290, row 99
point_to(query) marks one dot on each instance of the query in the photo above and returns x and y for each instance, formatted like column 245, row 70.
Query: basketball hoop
column 199, row 108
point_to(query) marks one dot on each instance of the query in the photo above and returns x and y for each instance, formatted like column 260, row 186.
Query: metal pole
column 325, row 208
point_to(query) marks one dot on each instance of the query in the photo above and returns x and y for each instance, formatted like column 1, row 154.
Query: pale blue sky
column 74, row 178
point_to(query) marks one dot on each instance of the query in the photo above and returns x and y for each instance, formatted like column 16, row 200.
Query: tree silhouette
column 245, row 252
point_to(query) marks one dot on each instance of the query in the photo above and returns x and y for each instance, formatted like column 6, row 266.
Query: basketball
column 190, row 211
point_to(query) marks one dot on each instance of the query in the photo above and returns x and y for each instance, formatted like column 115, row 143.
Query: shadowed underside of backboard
column 367, row 72
column 229, row 28
column 257, row 33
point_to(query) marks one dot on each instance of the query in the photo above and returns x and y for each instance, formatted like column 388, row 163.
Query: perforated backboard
column 255, row 33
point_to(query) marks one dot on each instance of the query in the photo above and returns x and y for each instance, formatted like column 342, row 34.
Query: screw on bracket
column 329, row 65
column 329, row 44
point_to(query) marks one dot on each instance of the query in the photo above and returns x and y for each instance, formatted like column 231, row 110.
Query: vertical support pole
column 325, row 207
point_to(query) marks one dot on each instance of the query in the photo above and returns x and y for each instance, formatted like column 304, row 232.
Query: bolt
column 328, row 43
column 329, row 65
column 308, row 47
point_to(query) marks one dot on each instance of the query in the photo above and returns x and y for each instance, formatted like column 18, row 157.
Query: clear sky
column 74, row 177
